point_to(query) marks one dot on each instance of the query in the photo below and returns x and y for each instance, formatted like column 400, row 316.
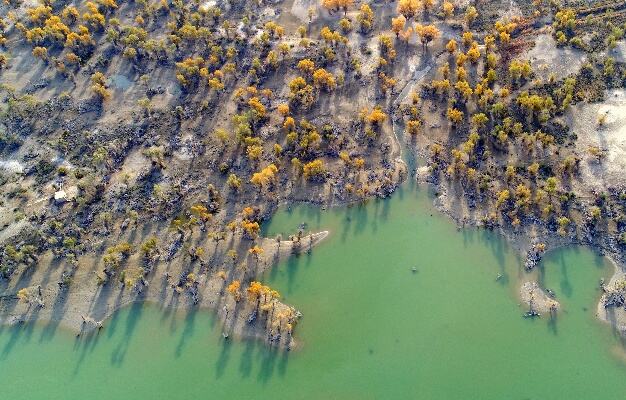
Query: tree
column 563, row 222
column 468, row 38
column 23, row 295
column 256, row 252
column 233, row 182
column 201, row 212
column 331, row 37
column 461, row 59
column 502, row 197
column 405, row 35
column 258, row 108
column 470, row 15
column 345, row 24
column 323, row 78
column 377, row 116
column 522, row 196
column 98, row 86
column 386, row 82
column 551, row 185
column 306, row 65
column 150, row 247
column 427, row 33
column 595, row 213
column 344, row 4
column 314, row 169
column 365, row 17
column 441, row 86
column 301, row 92
column 520, row 69
column 565, row 21
column 412, row 126
column 40, row 52
column 397, row 24
column 447, row 8
column 461, row 74
column 254, row 152
column 283, row 109
column 330, row 5
column 233, row 289
column 608, row 69
column 473, row 54
column 254, row 290
column 464, row 88
column 251, row 228
column 479, row 120
column 386, row 48
column 454, row 115
column 451, row 46
column 408, row 8
column 427, row 4
column 265, row 176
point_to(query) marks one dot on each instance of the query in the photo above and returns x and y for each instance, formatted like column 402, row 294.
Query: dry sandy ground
column 619, row 52
column 610, row 137
column 546, row 55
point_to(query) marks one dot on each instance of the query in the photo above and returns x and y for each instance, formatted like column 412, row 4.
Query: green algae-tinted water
column 372, row 328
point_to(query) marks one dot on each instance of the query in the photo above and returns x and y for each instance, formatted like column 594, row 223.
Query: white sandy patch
column 134, row 163
column 300, row 9
column 512, row 10
column 619, row 52
column 548, row 59
column 11, row 166
column 616, row 316
column 207, row 5
column 531, row 293
column 610, row 137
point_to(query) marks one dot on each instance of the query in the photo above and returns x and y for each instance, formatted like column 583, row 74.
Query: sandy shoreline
column 523, row 241
column 68, row 309
column 615, row 316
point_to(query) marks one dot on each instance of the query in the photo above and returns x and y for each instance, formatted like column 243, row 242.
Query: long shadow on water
column 85, row 343
column 16, row 333
column 190, row 320
column 565, row 284
column 224, row 357
column 268, row 364
column 134, row 315
column 245, row 365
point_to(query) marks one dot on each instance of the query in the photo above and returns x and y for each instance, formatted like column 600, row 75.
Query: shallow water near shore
column 372, row 328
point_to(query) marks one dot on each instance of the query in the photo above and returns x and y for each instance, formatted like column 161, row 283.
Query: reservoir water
column 372, row 328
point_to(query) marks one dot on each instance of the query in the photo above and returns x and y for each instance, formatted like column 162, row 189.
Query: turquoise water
column 372, row 328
